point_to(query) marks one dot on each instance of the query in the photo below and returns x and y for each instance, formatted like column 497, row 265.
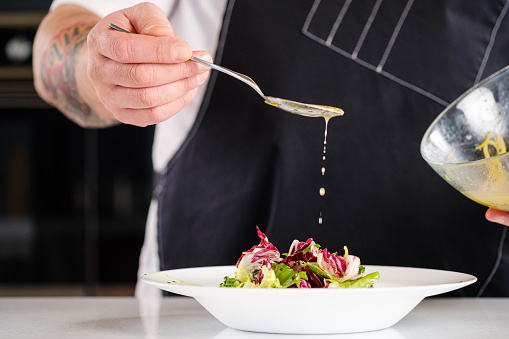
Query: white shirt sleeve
column 105, row 7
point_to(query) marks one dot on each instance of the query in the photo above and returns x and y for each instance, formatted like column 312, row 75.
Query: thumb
column 149, row 19
column 158, row 30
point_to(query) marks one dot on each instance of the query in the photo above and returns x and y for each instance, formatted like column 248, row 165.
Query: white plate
column 310, row 311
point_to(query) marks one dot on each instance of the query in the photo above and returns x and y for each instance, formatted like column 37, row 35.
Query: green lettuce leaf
column 366, row 281
column 287, row 276
column 269, row 279
column 229, row 282
column 319, row 272
column 363, row 282
column 242, row 276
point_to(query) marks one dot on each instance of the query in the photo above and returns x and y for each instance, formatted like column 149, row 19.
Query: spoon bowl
column 299, row 108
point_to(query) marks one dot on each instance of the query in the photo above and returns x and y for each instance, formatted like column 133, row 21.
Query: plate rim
column 466, row 280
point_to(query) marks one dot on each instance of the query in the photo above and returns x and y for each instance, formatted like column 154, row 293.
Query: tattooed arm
column 97, row 76
column 60, row 66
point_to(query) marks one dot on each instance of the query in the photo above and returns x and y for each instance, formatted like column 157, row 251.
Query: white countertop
column 180, row 317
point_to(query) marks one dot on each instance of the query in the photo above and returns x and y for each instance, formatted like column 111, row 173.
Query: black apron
column 392, row 66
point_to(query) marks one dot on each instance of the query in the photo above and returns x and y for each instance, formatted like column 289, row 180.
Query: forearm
column 60, row 66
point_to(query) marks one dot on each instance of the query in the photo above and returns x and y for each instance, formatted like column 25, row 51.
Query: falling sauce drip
column 322, row 189
column 326, row 117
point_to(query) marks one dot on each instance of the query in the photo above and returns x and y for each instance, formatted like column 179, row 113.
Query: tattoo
column 58, row 74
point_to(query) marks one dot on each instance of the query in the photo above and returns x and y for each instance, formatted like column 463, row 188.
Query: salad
column 304, row 266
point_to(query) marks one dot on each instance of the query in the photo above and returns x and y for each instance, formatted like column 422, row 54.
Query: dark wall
column 24, row 5
column 73, row 202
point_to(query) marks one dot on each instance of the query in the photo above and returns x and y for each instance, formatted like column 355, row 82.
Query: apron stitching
column 335, row 48
column 383, row 73
column 306, row 32
column 497, row 262
column 338, row 21
column 365, row 31
column 318, row 39
column 310, row 16
column 492, row 41
column 414, row 88
column 397, row 29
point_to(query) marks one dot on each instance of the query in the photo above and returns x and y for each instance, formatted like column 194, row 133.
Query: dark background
column 73, row 201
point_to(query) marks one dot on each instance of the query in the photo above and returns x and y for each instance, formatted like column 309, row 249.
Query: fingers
column 500, row 217
column 136, row 93
column 143, row 78
column 155, row 42
column 148, row 19
column 148, row 97
column 139, row 75
column 154, row 115
column 138, row 48
column 152, row 91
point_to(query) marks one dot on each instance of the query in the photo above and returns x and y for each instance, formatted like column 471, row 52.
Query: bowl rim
column 446, row 110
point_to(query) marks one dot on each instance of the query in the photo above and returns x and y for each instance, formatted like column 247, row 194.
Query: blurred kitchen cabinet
column 44, row 212
column 73, row 202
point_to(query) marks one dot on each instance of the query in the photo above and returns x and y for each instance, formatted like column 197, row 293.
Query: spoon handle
column 244, row 78
column 120, row 29
column 239, row 76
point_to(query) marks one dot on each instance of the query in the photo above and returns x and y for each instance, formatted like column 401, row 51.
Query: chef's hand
column 144, row 78
column 497, row 216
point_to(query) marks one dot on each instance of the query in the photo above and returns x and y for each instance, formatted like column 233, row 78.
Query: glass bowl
column 451, row 143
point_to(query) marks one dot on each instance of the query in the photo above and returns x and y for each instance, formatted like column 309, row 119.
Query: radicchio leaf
column 263, row 254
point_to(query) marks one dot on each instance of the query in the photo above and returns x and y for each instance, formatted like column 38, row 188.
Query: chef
column 225, row 162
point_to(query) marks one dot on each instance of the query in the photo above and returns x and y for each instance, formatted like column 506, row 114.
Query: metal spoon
column 299, row 108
